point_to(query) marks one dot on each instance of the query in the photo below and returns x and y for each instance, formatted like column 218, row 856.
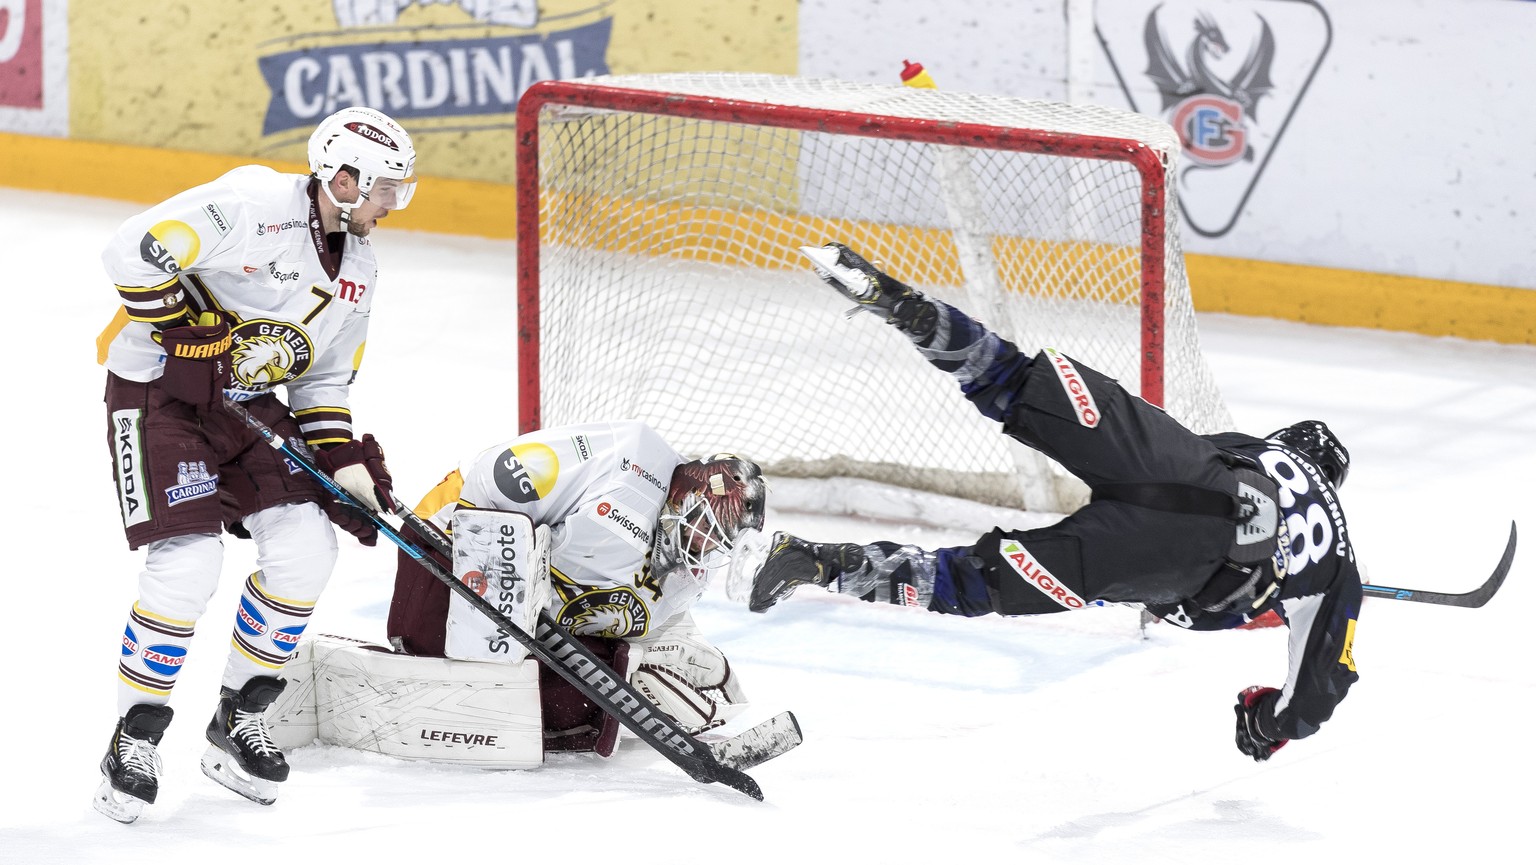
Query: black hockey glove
column 1253, row 706
column 358, row 467
column 197, row 367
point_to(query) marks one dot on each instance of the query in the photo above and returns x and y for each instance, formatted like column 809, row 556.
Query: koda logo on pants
column 128, row 450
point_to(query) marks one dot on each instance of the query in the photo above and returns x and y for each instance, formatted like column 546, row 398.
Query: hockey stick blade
column 762, row 743
column 552, row 644
column 1475, row 598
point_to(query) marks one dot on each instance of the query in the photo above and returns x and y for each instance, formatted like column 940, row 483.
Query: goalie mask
column 374, row 146
column 710, row 504
column 1315, row 441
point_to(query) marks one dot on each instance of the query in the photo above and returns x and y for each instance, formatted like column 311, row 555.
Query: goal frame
column 1144, row 159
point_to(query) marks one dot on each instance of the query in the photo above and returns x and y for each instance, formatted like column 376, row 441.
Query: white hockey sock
column 154, row 648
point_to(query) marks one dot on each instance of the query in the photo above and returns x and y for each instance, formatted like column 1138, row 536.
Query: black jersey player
column 1206, row 531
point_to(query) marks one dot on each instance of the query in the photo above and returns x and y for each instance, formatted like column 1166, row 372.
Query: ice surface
column 1058, row 739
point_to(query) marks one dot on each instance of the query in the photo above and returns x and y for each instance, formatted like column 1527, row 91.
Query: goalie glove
column 685, row 676
column 1254, row 706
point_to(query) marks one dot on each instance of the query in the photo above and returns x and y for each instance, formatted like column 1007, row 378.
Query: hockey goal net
column 659, row 221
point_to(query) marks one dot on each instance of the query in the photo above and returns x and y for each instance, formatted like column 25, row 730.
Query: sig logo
column 171, row 246
column 526, row 472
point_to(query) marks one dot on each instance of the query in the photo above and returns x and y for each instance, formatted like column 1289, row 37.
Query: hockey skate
column 130, row 773
column 872, row 289
column 241, row 754
column 794, row 562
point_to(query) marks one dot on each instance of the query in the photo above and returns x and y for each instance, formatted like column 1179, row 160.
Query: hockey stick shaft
column 1475, row 598
column 551, row 643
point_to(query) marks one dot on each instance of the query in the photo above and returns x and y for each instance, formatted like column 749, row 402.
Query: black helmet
column 1315, row 441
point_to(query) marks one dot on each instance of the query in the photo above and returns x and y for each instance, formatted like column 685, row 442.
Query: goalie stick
column 1475, row 598
column 759, row 744
column 551, row 644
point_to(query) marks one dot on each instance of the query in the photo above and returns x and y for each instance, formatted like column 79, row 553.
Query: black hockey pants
column 1109, row 550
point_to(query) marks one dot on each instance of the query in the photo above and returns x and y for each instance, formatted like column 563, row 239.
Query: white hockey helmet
column 711, row 502
column 374, row 146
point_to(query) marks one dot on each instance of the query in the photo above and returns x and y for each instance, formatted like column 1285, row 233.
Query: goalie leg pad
column 292, row 718
column 370, row 699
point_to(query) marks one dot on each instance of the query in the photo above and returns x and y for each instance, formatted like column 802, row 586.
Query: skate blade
column 827, row 266
column 116, row 804
column 223, row 769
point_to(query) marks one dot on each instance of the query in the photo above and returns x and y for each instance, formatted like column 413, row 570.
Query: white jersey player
column 229, row 290
column 635, row 530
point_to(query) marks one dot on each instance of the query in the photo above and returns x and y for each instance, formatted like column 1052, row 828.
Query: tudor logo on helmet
column 374, row 146
column 368, row 131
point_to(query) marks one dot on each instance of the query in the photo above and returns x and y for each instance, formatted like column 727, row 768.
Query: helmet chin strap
column 344, row 208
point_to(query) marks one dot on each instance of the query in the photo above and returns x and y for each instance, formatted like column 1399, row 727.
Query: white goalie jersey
column 251, row 245
column 599, row 488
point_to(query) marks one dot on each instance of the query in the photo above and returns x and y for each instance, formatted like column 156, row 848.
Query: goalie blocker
column 488, row 704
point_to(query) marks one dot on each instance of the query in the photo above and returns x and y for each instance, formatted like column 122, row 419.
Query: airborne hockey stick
column 552, row 644
column 1475, row 598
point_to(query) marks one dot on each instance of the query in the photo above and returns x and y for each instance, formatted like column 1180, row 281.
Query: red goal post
column 659, row 218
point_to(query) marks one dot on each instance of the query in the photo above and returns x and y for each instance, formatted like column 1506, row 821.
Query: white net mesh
column 672, row 289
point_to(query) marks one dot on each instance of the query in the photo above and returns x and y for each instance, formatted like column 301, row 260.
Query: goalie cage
column 659, row 218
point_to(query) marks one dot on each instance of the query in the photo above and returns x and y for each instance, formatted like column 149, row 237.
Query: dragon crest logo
column 1210, row 112
column 1227, row 75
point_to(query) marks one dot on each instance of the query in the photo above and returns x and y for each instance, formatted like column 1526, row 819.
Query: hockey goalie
column 605, row 526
